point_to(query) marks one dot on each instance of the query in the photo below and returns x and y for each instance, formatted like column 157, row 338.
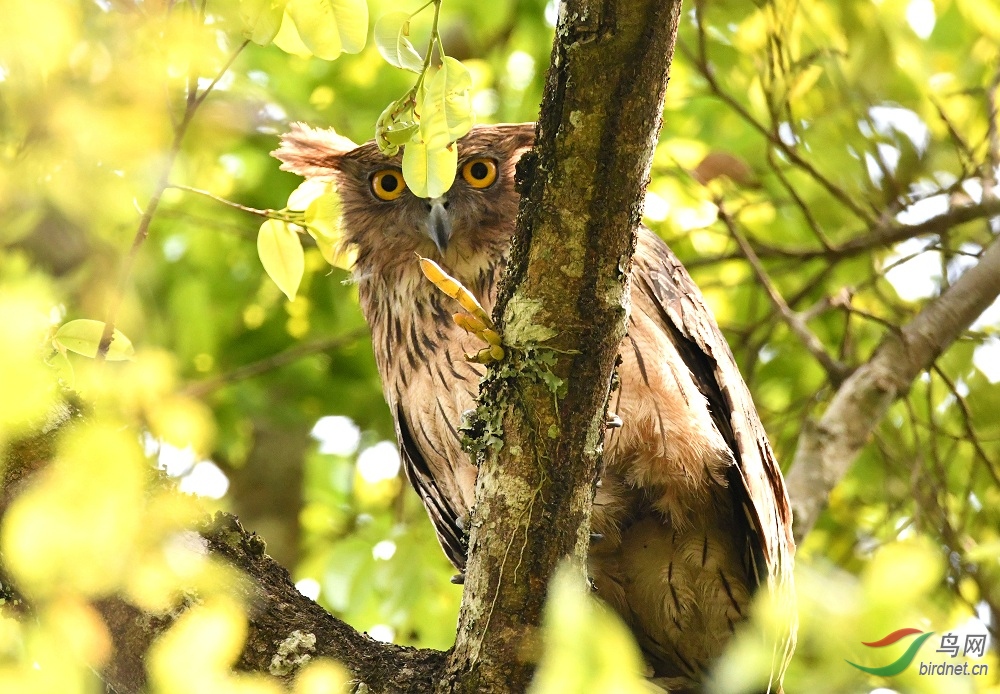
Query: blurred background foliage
column 814, row 125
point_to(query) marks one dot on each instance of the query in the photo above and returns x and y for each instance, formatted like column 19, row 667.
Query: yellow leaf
column 587, row 648
column 83, row 337
column 392, row 38
column 446, row 108
column 74, row 529
column 306, row 192
column 804, row 81
column 428, row 172
column 321, row 677
column 24, row 315
column 197, row 652
column 182, row 422
column 262, row 19
column 80, row 628
column 288, row 39
column 281, row 255
column 322, row 218
column 331, row 27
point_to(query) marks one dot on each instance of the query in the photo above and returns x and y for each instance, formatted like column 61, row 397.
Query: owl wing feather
column 440, row 508
column 756, row 479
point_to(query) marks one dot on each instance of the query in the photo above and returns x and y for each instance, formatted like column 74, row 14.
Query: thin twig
column 973, row 438
column 799, row 202
column 877, row 236
column 142, row 232
column 275, row 361
column 705, row 69
column 835, row 371
column 268, row 214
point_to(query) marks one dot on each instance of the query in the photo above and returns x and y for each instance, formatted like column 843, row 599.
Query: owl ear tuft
column 312, row 152
column 522, row 134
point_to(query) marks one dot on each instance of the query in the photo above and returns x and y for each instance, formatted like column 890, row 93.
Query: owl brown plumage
column 692, row 506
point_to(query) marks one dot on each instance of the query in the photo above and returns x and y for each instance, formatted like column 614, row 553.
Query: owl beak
column 439, row 223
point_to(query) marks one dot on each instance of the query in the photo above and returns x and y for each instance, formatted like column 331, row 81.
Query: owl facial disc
column 439, row 223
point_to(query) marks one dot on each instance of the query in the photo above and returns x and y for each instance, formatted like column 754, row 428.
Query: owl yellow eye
column 388, row 184
column 480, row 172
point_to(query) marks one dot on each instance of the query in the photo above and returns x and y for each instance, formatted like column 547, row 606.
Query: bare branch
column 275, row 606
column 275, row 361
column 267, row 214
column 881, row 235
column 194, row 100
column 829, row 446
column 835, row 370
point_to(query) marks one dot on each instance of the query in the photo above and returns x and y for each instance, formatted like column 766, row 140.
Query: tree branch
column 275, row 606
column 193, row 101
column 835, row 370
column 829, row 446
column 275, row 361
column 881, row 235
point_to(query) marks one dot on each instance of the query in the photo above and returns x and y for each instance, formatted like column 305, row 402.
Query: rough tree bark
column 583, row 191
column 829, row 446
column 566, row 288
column 276, row 609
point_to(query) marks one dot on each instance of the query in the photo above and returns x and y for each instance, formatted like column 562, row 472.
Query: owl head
column 387, row 223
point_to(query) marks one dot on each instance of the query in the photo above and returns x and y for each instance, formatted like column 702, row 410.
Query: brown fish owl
column 691, row 506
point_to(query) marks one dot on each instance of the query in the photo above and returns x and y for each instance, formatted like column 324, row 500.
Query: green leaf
column 322, row 219
column 587, row 648
column 429, row 172
column 331, row 27
column 84, row 335
column 392, row 33
column 395, row 127
column 262, row 19
column 305, row 193
column 281, row 255
column 323, row 216
column 446, row 106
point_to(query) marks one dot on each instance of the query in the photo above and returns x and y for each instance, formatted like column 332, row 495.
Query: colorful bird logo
column 896, row 667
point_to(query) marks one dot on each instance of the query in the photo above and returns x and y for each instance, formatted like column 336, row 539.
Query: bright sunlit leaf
column 322, row 677
column 262, row 19
column 331, row 27
column 322, row 219
column 75, row 527
column 197, row 652
column 446, row 108
column 392, row 38
column 306, row 192
column 428, row 172
column 281, row 255
column 587, row 648
column 24, row 317
column 80, row 628
column 288, row 39
column 83, row 336
column 182, row 422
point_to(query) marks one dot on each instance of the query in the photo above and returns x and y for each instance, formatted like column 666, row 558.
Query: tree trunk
column 565, row 298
